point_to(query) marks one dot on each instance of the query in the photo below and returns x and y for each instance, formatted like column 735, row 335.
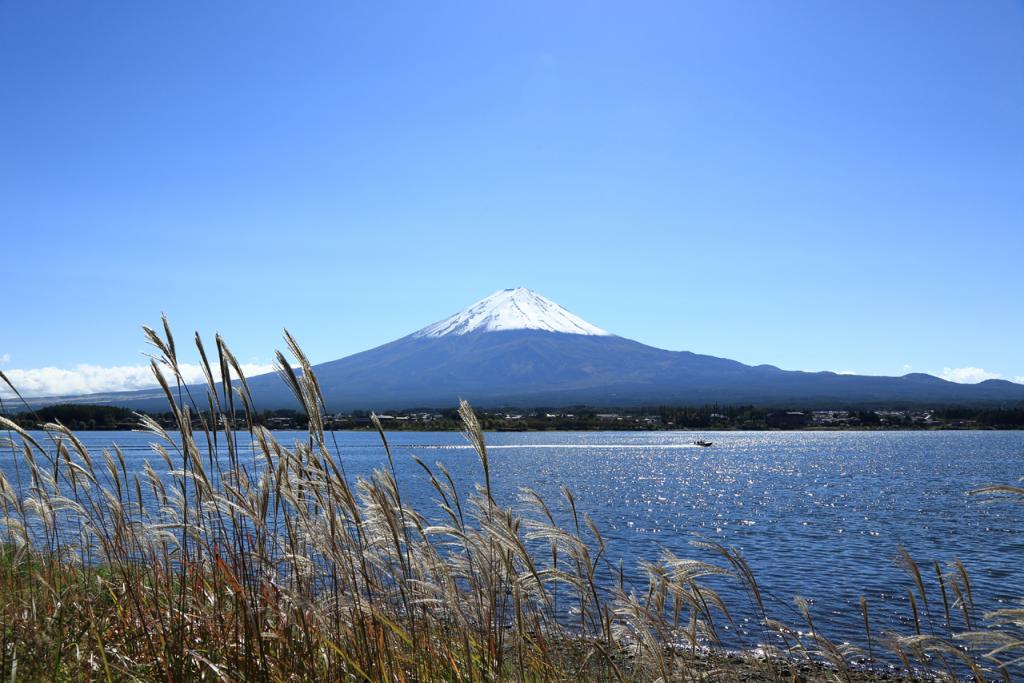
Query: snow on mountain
column 512, row 309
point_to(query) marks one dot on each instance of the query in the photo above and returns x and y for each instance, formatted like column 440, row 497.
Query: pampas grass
column 279, row 567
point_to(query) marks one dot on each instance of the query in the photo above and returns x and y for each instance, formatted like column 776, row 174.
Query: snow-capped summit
column 512, row 309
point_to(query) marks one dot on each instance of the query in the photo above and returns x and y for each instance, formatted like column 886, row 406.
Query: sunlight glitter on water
column 819, row 514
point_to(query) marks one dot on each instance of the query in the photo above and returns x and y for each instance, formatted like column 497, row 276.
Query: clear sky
column 814, row 185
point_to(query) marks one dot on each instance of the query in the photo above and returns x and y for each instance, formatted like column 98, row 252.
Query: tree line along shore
column 579, row 418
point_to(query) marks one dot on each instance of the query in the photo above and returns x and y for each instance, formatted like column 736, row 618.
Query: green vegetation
column 80, row 417
column 578, row 418
column 281, row 568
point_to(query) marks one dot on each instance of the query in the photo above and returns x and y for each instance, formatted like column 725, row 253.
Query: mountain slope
column 532, row 367
column 517, row 348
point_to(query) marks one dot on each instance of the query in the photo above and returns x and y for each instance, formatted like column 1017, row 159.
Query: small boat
column 702, row 443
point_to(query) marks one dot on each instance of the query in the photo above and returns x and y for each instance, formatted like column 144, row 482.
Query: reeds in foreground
column 278, row 567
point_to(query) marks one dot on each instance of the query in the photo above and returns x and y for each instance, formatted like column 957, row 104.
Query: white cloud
column 968, row 375
column 5, row 358
column 847, row 372
column 91, row 379
column 1018, row 379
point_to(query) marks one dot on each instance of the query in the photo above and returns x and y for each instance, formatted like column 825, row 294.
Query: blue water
column 816, row 514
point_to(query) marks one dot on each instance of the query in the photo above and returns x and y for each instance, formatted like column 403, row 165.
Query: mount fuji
column 518, row 348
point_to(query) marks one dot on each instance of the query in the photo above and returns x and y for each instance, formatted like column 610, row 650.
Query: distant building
column 830, row 418
column 922, row 417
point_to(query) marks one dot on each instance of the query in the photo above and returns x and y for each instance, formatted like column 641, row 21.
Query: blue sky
column 812, row 185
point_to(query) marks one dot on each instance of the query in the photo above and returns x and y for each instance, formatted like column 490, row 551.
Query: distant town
column 582, row 418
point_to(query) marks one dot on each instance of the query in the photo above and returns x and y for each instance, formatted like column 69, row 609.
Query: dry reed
column 278, row 567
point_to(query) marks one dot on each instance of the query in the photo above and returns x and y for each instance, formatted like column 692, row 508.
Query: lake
column 816, row 514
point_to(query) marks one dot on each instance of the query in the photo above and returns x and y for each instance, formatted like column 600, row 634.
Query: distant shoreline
column 709, row 418
column 579, row 430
